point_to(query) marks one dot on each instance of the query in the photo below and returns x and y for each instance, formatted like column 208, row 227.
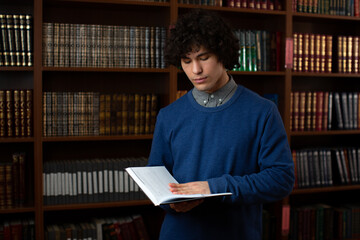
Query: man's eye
column 204, row 58
column 186, row 61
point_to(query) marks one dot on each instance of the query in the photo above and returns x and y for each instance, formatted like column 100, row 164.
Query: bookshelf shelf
column 91, row 69
column 117, row 2
column 235, row 10
column 97, row 138
column 324, row 133
column 326, row 189
column 17, row 210
column 16, row 140
column 97, row 205
column 16, row 69
column 325, row 75
column 258, row 73
column 326, row 17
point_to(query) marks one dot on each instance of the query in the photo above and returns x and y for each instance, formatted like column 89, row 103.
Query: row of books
column 321, row 111
column 12, row 181
column 83, row 45
column 16, row 40
column 326, row 167
column 328, row 7
column 131, row 227
column 259, row 50
column 93, row 113
column 324, row 221
column 348, row 54
column 90, row 180
column 312, row 52
column 17, row 229
column 16, row 108
column 252, row 4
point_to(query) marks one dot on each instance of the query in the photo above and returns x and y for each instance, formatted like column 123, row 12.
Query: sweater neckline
column 227, row 104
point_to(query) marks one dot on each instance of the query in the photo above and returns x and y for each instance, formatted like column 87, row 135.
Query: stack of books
column 16, row 40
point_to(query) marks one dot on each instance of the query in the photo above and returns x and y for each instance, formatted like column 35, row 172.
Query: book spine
column 16, row 110
column 317, row 53
column 296, row 52
column 312, row 53
column 300, row 52
column 22, row 28
column 302, row 109
column 350, row 56
column 340, row 53
column 11, row 39
column 308, row 111
column 5, row 41
column 344, row 54
column 10, row 113
column 2, row 113
column 47, row 44
column 356, row 54
column 329, row 53
column 16, row 19
column 306, row 42
column 29, row 47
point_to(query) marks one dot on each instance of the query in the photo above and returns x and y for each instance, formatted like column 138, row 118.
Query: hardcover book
column 154, row 181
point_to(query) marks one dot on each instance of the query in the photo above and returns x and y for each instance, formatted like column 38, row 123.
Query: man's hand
column 186, row 206
column 201, row 187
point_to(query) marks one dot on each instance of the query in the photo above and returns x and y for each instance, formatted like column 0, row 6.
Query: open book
column 154, row 181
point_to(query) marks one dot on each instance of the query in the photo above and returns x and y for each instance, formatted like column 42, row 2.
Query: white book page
column 154, row 181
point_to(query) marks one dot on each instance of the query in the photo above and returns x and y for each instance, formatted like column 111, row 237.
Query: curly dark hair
column 201, row 27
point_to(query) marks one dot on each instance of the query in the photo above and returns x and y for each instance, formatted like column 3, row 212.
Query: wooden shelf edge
column 16, row 69
column 320, row 133
column 325, row 189
column 96, row 69
column 258, row 73
column 17, row 210
column 325, row 16
column 16, row 139
column 120, row 2
column 98, row 205
column 233, row 9
column 333, row 75
column 97, row 138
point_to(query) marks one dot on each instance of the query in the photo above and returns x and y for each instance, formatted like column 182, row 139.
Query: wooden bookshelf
column 165, row 82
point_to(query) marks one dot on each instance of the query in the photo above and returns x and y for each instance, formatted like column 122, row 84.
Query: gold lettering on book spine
column 295, row 52
column 329, row 51
column 317, row 52
column 349, row 54
column 308, row 111
column 306, row 52
column 312, row 53
column 339, row 60
column 300, row 52
column 356, row 54
column 344, row 54
column 323, row 53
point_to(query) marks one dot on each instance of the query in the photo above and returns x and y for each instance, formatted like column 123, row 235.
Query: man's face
column 204, row 70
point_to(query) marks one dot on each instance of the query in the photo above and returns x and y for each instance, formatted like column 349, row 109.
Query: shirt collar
column 216, row 98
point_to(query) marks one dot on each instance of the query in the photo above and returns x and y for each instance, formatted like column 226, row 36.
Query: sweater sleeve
column 275, row 177
column 160, row 154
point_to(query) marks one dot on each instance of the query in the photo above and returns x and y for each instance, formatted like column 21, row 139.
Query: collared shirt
column 218, row 97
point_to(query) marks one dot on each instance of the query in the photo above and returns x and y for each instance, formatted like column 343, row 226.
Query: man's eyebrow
column 199, row 55
column 202, row 54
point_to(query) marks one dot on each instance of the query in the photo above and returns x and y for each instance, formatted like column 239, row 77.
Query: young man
column 219, row 137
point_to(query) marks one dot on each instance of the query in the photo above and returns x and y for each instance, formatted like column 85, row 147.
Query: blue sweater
column 239, row 147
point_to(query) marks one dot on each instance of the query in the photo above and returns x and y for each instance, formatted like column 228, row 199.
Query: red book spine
column 319, row 111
